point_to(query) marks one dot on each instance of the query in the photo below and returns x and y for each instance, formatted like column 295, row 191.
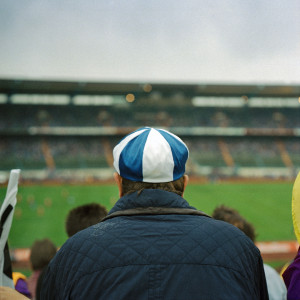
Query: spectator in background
column 78, row 218
column 153, row 244
column 291, row 277
column 83, row 216
column 275, row 284
column 41, row 252
column 291, row 274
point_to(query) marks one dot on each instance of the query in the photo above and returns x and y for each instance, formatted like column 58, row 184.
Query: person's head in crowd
column 232, row 216
column 77, row 219
column 41, row 252
column 84, row 216
column 150, row 159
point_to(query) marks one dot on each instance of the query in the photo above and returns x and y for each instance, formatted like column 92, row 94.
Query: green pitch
column 41, row 209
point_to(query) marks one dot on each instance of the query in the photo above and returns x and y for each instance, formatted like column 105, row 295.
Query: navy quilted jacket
column 167, row 256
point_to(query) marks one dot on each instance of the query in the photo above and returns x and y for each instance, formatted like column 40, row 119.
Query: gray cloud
column 151, row 40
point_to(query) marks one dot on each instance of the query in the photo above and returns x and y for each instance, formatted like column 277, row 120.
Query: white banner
column 6, row 217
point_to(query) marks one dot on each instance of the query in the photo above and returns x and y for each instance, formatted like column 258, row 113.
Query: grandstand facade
column 67, row 130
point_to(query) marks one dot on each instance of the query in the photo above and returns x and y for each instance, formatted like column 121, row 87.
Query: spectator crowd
column 152, row 244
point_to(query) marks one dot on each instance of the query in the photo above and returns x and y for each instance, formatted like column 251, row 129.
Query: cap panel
column 119, row 147
column 179, row 153
column 158, row 163
column 131, row 158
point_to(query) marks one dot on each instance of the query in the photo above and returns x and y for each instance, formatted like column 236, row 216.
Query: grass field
column 41, row 209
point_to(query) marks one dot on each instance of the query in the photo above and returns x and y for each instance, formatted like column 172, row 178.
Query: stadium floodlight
column 100, row 100
column 3, row 98
column 73, row 131
column 273, row 102
column 297, row 131
column 210, row 131
column 40, row 99
column 218, row 101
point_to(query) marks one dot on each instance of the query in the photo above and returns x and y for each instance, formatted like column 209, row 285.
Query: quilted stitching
column 153, row 240
column 179, row 244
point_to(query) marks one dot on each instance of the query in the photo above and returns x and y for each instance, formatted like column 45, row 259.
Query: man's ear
column 118, row 180
column 185, row 182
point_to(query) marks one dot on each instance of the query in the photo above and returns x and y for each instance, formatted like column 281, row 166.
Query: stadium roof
column 11, row 86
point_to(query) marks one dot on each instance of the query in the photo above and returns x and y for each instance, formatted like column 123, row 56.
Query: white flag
column 6, row 216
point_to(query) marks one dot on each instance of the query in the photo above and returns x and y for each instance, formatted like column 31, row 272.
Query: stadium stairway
column 284, row 154
column 225, row 153
column 47, row 155
column 108, row 152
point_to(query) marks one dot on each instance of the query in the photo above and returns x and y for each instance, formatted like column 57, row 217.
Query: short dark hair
column 176, row 186
column 84, row 216
column 42, row 251
column 232, row 216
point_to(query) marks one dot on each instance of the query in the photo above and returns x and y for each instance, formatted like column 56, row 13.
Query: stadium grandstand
column 67, row 130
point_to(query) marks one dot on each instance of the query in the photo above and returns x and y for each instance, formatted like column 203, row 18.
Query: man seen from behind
column 153, row 244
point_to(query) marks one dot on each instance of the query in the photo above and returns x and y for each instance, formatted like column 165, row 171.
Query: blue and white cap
column 151, row 155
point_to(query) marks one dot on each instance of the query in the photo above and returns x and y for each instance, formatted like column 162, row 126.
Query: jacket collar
column 150, row 198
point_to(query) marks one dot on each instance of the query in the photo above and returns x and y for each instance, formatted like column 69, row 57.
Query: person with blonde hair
column 291, row 274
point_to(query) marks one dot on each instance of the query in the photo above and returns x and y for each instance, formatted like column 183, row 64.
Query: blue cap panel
column 179, row 151
column 131, row 158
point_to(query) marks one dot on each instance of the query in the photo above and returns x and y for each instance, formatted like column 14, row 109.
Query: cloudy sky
column 191, row 41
